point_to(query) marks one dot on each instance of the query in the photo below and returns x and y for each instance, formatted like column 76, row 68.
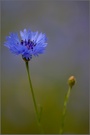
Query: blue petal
column 25, row 35
column 41, row 38
column 14, row 45
column 27, row 55
column 40, row 44
column 34, row 36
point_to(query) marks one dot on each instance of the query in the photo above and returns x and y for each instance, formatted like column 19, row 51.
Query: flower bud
column 71, row 81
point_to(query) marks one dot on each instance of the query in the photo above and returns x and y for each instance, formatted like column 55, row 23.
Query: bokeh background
column 66, row 24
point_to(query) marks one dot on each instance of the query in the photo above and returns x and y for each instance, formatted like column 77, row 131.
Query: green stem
column 64, row 110
column 35, row 105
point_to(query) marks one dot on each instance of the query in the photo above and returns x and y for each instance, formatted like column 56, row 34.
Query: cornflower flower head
column 31, row 43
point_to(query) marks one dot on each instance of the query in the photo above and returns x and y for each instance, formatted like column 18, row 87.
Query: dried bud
column 71, row 81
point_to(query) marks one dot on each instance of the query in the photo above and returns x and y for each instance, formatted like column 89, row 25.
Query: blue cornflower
column 31, row 43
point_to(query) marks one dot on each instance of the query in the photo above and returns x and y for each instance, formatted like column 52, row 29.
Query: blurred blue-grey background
column 66, row 24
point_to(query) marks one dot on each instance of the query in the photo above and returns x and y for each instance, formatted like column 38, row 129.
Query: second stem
column 64, row 110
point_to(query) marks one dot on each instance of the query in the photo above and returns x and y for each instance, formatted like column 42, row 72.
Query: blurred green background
column 66, row 24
